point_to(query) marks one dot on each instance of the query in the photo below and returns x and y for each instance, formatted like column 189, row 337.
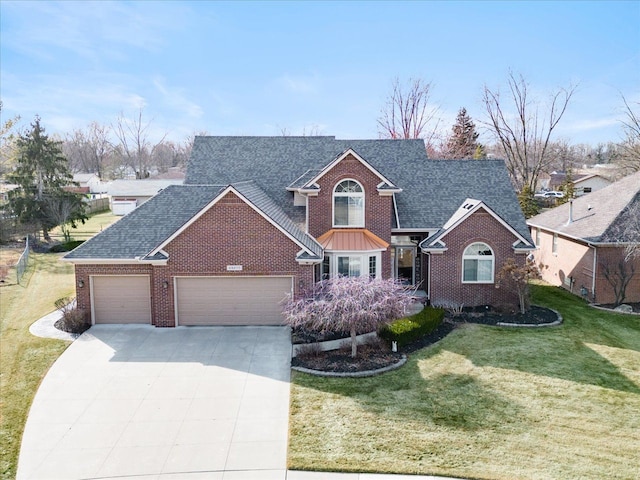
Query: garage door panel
column 231, row 301
column 121, row 299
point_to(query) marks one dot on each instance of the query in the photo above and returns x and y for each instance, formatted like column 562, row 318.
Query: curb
column 366, row 373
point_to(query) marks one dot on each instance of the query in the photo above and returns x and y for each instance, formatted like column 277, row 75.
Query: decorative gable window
column 348, row 204
column 477, row 264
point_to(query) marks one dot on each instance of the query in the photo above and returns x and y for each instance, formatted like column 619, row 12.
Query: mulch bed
column 535, row 316
column 373, row 357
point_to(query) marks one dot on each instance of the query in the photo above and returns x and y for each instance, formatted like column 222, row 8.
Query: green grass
column 25, row 359
column 94, row 225
column 487, row 403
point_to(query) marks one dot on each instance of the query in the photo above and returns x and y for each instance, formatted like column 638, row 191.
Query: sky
column 264, row 68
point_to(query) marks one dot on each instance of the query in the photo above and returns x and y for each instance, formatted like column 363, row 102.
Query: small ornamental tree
column 517, row 277
column 348, row 304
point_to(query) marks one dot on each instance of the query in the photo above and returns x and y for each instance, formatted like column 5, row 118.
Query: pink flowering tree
column 349, row 304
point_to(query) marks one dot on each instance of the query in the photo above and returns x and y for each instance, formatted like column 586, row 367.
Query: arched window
column 348, row 204
column 477, row 263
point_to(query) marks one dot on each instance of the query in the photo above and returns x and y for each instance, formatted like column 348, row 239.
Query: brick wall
column 378, row 209
column 604, row 290
column 446, row 269
column 574, row 260
column 229, row 233
column 570, row 267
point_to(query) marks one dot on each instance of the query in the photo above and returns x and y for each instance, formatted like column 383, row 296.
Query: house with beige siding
column 585, row 243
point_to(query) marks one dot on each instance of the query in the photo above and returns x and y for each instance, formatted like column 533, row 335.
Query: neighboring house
column 173, row 173
column 584, row 240
column 582, row 183
column 91, row 183
column 129, row 194
column 262, row 217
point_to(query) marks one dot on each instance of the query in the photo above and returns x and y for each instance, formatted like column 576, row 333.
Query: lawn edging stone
column 365, row 373
column 539, row 325
column 328, row 345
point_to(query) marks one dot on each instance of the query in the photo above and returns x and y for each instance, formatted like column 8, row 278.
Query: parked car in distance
column 551, row 194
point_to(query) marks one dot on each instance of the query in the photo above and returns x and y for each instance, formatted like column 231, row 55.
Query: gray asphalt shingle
column 432, row 189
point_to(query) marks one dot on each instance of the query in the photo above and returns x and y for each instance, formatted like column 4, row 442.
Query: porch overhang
column 351, row 240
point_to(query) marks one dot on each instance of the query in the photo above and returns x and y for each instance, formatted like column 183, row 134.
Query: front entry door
column 405, row 265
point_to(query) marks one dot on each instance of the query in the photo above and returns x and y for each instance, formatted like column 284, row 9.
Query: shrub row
column 408, row 329
column 65, row 247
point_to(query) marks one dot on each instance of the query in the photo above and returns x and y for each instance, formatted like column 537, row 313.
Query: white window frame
column 484, row 258
column 554, row 244
column 364, row 262
column 348, row 195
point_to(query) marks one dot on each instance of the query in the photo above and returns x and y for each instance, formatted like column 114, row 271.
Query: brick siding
column 205, row 248
column 378, row 209
column 446, row 268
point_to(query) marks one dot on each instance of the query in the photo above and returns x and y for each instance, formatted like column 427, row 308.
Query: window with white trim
column 349, row 266
column 348, row 204
column 477, row 263
column 554, row 245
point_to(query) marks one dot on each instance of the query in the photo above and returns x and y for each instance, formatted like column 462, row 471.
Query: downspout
column 593, row 275
column 428, row 276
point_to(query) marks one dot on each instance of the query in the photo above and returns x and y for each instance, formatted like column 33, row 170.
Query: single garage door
column 231, row 300
column 121, row 299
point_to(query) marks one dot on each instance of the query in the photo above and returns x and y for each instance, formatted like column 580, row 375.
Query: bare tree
column 628, row 158
column 134, row 144
column 524, row 134
column 7, row 143
column 89, row 150
column 408, row 113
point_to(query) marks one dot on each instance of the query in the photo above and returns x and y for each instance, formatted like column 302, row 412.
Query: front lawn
column 487, row 403
column 24, row 359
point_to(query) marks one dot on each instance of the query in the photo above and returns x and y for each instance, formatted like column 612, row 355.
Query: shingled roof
column 142, row 232
column 432, row 190
column 137, row 234
column 599, row 217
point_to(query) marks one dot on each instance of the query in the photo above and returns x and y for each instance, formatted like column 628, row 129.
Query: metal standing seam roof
column 351, row 239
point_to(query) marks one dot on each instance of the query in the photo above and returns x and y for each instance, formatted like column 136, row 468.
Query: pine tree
column 567, row 188
column 463, row 141
column 42, row 173
column 527, row 202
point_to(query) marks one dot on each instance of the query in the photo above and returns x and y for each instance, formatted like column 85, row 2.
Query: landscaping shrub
column 65, row 247
column 409, row 329
column 73, row 321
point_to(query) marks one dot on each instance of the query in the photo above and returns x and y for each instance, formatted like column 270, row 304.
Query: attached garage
column 121, row 299
column 231, row 300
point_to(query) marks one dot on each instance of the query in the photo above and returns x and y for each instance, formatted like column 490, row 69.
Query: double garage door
column 198, row 300
column 231, row 300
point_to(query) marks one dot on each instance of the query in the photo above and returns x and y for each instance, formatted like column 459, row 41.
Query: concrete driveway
column 127, row 401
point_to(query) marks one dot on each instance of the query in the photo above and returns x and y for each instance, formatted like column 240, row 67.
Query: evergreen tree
column 463, row 141
column 567, row 188
column 527, row 202
column 42, row 173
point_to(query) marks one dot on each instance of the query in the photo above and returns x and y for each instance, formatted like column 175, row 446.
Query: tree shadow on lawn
column 550, row 353
column 447, row 400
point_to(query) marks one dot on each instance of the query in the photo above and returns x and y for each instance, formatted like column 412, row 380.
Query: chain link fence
column 23, row 262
